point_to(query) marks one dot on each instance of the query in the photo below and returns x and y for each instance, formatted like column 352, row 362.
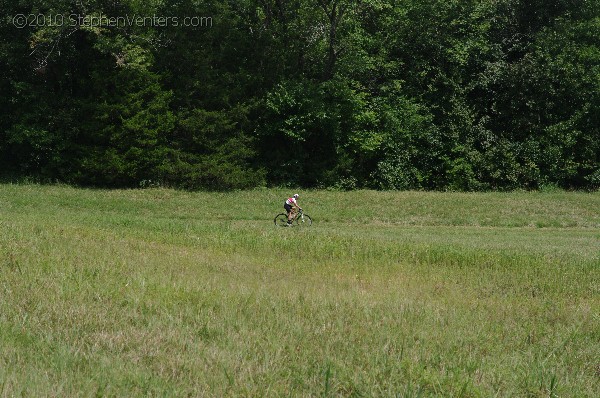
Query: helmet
column 296, row 195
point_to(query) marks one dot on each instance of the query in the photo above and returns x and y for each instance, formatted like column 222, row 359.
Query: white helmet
column 296, row 196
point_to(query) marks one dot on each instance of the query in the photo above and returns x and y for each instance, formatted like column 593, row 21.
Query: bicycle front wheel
column 280, row 220
column 303, row 220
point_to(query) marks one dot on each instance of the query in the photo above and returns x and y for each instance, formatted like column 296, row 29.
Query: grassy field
column 161, row 292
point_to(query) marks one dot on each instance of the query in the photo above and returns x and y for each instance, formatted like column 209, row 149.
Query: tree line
column 383, row 94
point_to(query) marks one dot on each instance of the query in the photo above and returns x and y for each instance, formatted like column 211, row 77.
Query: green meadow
column 411, row 294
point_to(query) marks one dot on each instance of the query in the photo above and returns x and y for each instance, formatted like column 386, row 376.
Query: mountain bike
column 301, row 220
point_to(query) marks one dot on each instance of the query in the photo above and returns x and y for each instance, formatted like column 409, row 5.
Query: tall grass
column 161, row 292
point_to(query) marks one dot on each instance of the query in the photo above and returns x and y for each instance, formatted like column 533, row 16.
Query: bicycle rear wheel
column 280, row 220
column 303, row 220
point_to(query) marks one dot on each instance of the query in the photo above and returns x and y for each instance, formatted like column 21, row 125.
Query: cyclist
column 290, row 206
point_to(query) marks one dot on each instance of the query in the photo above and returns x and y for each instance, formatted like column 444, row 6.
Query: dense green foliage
column 386, row 94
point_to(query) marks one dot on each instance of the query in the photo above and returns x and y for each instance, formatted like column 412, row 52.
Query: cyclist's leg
column 288, row 210
column 292, row 215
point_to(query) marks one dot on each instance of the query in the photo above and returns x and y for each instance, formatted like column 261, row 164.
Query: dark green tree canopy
column 384, row 94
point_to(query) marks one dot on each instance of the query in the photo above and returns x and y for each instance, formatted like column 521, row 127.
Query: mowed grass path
column 161, row 292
